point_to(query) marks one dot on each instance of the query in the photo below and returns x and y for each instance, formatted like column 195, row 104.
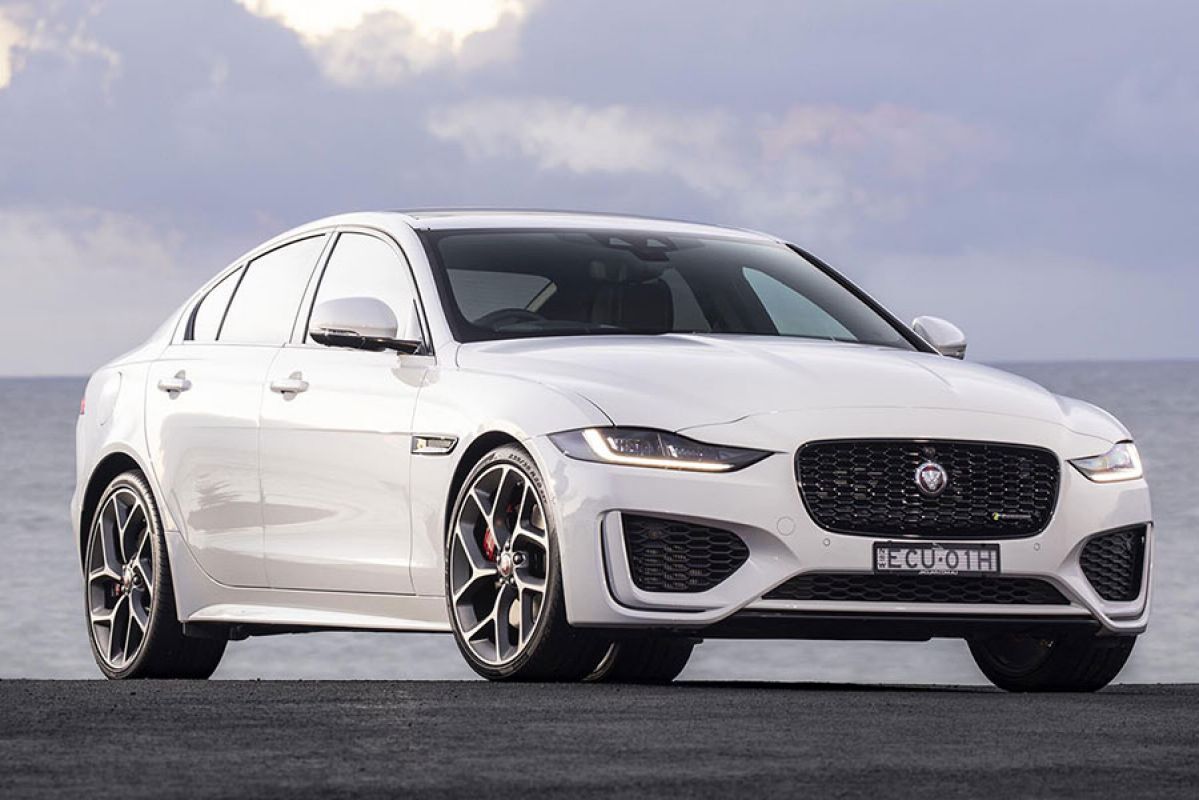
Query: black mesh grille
column 670, row 556
column 1113, row 563
column 869, row 588
column 869, row 487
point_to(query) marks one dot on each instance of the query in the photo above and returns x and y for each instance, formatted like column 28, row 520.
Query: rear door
column 203, row 402
column 336, row 448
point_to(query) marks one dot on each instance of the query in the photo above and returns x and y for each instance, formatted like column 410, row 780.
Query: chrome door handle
column 292, row 384
column 175, row 385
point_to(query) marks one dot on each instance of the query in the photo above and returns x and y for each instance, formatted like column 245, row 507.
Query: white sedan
column 583, row 444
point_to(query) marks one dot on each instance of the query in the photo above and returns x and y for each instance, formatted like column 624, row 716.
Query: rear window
column 484, row 292
column 206, row 321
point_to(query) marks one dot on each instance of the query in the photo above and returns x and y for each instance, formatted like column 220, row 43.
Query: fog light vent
column 1113, row 563
column 666, row 555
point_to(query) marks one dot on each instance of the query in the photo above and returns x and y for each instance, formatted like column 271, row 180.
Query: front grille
column 853, row 587
column 666, row 555
column 1113, row 563
column 868, row 487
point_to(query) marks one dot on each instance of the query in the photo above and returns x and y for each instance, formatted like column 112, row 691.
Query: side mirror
column 363, row 323
column 946, row 337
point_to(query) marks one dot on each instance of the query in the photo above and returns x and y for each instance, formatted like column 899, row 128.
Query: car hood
column 679, row 381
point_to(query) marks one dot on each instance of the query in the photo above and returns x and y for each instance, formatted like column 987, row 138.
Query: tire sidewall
column 1058, row 670
column 553, row 601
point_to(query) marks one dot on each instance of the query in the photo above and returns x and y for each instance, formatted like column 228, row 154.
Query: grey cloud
column 924, row 147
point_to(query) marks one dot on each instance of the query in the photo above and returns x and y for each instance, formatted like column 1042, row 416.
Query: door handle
column 175, row 385
column 292, row 384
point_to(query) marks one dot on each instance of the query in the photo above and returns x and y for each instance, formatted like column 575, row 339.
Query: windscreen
column 505, row 284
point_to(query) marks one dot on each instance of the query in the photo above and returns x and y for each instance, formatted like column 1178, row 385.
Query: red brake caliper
column 491, row 547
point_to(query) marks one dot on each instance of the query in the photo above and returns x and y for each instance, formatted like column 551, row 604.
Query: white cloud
column 12, row 36
column 817, row 167
column 557, row 134
column 85, row 284
column 24, row 31
column 380, row 42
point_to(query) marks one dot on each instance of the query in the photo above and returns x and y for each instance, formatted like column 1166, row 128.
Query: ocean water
column 43, row 632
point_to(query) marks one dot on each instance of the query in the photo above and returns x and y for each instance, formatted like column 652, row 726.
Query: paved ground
column 289, row 739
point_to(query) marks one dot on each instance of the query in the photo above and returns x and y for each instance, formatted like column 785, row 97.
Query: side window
column 265, row 305
column 480, row 292
column 206, row 320
column 791, row 312
column 366, row 266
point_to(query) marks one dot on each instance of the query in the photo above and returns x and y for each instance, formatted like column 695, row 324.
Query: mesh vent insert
column 852, row 587
column 868, row 487
column 1113, row 563
column 666, row 555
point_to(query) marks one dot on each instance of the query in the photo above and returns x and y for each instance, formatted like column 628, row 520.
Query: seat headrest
column 636, row 306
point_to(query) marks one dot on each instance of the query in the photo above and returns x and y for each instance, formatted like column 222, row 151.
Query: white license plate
column 936, row 558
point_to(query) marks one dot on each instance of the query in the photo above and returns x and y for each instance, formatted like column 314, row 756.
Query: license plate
column 935, row 558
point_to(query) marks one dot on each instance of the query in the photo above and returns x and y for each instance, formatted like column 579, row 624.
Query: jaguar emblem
column 931, row 479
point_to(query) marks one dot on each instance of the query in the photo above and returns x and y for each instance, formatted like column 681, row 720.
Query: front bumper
column 762, row 505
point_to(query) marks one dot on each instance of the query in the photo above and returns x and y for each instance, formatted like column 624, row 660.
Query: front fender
column 467, row 405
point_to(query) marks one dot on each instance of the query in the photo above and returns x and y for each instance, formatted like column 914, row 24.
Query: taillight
column 83, row 405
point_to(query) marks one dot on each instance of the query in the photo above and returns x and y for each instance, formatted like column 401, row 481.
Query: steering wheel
column 507, row 316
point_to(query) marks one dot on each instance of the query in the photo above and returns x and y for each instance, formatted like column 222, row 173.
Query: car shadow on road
column 815, row 686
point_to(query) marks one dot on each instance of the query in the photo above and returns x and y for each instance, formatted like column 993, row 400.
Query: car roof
column 494, row 218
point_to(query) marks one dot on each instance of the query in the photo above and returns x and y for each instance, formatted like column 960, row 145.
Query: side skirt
column 208, row 607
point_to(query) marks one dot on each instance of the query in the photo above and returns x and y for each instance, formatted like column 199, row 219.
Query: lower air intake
column 1113, row 563
column 666, row 555
column 868, row 588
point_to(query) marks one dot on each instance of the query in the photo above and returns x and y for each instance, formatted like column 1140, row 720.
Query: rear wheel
column 643, row 661
column 1030, row 663
column 503, row 582
column 132, row 623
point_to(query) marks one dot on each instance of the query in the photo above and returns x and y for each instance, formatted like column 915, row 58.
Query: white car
column 583, row 444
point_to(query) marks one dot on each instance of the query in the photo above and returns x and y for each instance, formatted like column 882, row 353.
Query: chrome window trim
column 244, row 261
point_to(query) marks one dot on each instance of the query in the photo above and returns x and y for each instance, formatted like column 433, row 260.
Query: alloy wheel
column 498, row 568
column 120, row 578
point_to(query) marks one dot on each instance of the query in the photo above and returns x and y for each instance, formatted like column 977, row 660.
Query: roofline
column 413, row 215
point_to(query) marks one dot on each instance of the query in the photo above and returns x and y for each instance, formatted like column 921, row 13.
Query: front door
column 336, row 438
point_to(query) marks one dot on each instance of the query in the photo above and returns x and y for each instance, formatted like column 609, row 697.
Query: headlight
column 1121, row 463
column 646, row 448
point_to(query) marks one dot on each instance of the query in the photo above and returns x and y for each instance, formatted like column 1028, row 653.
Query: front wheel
column 503, row 582
column 134, row 629
column 648, row 661
column 1031, row 663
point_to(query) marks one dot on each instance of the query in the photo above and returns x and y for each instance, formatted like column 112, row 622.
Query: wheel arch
column 109, row 467
column 480, row 446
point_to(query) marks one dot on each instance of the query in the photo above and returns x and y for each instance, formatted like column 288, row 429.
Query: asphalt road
column 301, row 739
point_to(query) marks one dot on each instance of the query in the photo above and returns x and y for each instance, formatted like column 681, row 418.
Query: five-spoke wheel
column 498, row 558
column 503, row 587
column 134, row 626
column 120, row 577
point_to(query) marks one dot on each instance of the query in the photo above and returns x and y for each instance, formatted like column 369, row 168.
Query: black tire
column 163, row 651
column 1030, row 663
column 649, row 661
column 555, row 651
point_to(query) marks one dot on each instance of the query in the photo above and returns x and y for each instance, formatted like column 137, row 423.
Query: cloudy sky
column 1029, row 170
